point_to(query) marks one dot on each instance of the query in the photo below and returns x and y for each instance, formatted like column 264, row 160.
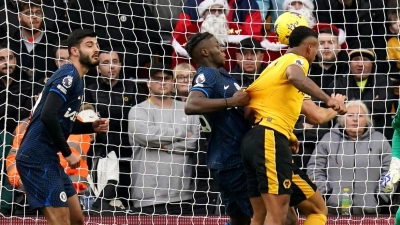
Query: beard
column 306, row 13
column 86, row 60
column 217, row 26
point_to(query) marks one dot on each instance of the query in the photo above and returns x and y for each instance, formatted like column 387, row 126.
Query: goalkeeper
column 389, row 181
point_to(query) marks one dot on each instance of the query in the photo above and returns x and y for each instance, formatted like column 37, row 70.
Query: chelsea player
column 46, row 184
column 216, row 95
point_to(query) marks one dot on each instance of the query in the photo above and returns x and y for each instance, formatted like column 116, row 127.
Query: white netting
column 154, row 156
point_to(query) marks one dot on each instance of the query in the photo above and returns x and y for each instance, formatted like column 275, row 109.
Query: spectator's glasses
column 183, row 78
column 165, row 79
column 4, row 59
column 38, row 13
column 217, row 10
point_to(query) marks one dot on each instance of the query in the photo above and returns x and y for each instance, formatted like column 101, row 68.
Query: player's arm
column 49, row 118
column 318, row 115
column 297, row 78
column 198, row 103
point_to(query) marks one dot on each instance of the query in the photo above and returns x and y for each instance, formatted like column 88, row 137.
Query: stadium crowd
column 153, row 159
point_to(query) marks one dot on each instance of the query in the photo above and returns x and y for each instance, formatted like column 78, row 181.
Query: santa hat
column 307, row 3
column 206, row 4
column 88, row 115
column 341, row 33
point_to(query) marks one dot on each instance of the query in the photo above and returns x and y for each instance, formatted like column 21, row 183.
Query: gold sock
column 315, row 219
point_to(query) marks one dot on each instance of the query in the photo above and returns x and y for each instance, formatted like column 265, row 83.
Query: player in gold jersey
column 277, row 98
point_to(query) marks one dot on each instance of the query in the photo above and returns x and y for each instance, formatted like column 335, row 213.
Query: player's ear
column 204, row 52
column 74, row 51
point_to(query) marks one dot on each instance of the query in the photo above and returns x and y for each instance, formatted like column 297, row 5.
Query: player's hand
column 241, row 98
column 336, row 105
column 100, row 125
column 294, row 146
column 392, row 177
column 73, row 161
column 339, row 97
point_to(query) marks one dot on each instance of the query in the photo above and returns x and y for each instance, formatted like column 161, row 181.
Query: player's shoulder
column 294, row 59
column 205, row 74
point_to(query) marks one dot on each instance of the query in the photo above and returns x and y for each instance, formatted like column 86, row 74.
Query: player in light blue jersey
column 46, row 184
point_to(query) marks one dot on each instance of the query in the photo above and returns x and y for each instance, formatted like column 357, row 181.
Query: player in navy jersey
column 217, row 96
column 46, row 184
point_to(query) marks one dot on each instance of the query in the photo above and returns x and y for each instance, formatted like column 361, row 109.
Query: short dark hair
column 299, row 34
column 194, row 40
column 75, row 37
column 328, row 30
column 27, row 4
column 62, row 45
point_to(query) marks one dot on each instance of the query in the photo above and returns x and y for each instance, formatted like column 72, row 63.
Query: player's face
column 360, row 67
column 356, row 120
column 89, row 52
column 8, row 62
column 62, row 56
column 329, row 47
column 31, row 18
column 216, row 52
column 161, row 84
column 249, row 60
column 109, row 66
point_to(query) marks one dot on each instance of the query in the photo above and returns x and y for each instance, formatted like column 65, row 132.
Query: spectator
column 53, row 11
column 271, row 43
column 15, row 91
column 183, row 75
column 33, row 42
column 164, row 139
column 112, row 97
column 337, row 161
column 394, row 43
column 360, row 19
column 250, row 64
column 228, row 22
column 332, row 57
column 127, row 27
column 61, row 53
column 363, row 83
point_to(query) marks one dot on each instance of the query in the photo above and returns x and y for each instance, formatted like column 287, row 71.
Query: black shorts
column 267, row 160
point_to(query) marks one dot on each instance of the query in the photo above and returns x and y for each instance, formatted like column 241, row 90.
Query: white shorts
column 107, row 169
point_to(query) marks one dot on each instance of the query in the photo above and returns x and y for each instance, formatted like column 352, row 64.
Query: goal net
column 151, row 167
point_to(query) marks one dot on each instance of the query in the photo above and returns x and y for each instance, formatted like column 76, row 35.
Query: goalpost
column 131, row 39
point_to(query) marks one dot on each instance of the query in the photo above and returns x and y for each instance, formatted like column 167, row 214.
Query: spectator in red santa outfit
column 230, row 22
column 271, row 43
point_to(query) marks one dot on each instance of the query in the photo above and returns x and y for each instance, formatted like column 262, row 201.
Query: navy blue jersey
column 227, row 126
column 37, row 144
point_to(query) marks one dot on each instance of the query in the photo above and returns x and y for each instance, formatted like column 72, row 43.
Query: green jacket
column 6, row 188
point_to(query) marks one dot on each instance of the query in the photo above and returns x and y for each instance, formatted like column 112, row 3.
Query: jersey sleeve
column 300, row 62
column 396, row 120
column 204, row 82
column 65, row 84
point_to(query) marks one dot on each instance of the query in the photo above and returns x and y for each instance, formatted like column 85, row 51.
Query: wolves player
column 216, row 94
column 390, row 180
column 46, row 185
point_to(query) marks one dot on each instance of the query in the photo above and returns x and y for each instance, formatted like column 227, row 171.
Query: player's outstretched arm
column 317, row 115
column 198, row 103
column 297, row 78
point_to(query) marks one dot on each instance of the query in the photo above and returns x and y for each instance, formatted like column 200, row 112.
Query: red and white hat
column 307, row 3
column 206, row 4
column 341, row 33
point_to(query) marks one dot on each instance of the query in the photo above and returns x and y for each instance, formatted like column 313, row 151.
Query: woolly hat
column 206, row 4
column 362, row 48
column 88, row 115
column 340, row 32
column 307, row 3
